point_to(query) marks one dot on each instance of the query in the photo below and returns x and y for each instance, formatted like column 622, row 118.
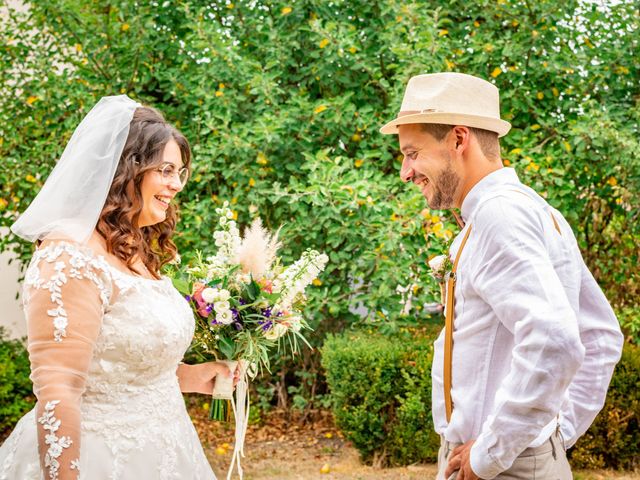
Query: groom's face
column 428, row 163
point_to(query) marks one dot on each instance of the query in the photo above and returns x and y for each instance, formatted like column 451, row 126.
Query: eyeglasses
column 168, row 171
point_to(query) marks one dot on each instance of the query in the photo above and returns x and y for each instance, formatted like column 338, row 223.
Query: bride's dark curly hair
column 118, row 223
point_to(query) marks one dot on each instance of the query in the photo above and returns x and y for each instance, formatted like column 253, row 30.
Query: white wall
column 11, row 315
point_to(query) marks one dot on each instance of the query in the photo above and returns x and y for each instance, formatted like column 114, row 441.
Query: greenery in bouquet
column 245, row 301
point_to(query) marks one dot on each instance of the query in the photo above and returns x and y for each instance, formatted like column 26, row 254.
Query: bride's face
column 160, row 185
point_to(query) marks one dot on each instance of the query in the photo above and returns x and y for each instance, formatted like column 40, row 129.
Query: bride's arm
column 65, row 295
column 200, row 378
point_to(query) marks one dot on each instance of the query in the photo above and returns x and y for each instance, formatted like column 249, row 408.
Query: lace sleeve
column 65, row 293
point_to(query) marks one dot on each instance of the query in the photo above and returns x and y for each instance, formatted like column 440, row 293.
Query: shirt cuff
column 482, row 463
column 568, row 434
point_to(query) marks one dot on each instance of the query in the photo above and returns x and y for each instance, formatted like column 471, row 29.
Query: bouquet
column 245, row 303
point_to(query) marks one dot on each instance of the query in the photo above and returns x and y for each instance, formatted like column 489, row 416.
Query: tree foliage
column 282, row 102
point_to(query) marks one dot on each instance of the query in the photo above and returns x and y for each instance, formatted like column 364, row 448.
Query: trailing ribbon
column 241, row 407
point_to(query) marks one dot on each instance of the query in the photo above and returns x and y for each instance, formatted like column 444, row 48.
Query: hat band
column 415, row 112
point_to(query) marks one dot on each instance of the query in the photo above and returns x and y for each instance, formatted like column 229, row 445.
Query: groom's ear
column 460, row 136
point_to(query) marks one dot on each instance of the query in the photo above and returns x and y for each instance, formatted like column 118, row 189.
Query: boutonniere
column 440, row 266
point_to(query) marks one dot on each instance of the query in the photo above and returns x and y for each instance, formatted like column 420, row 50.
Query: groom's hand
column 460, row 461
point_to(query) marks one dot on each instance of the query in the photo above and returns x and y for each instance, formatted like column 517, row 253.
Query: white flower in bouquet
column 228, row 238
column 216, row 268
column 276, row 331
column 292, row 281
column 209, row 295
column 294, row 323
column 258, row 250
column 225, row 317
column 221, row 306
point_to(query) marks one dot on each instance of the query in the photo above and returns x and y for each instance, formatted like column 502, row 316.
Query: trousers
column 546, row 462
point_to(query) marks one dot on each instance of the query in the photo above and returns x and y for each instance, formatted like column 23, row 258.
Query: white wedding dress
column 104, row 348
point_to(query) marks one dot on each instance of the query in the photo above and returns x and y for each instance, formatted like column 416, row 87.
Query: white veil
column 69, row 204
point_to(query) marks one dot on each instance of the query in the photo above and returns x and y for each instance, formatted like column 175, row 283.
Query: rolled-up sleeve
column 517, row 279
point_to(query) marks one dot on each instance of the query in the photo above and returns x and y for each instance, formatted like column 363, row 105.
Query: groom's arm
column 601, row 336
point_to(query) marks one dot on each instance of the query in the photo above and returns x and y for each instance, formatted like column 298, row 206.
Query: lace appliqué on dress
column 83, row 265
column 56, row 444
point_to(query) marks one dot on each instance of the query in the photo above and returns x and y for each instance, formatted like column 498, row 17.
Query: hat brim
column 497, row 125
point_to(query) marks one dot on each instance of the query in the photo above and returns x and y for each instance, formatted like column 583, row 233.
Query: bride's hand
column 200, row 378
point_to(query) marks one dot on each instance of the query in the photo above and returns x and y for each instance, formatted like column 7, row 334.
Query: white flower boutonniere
column 440, row 266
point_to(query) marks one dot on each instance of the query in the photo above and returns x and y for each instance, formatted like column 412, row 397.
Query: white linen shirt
column 535, row 340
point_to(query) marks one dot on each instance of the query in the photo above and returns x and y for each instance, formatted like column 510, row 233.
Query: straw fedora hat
column 452, row 99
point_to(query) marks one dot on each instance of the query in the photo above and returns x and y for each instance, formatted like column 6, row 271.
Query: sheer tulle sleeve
column 66, row 291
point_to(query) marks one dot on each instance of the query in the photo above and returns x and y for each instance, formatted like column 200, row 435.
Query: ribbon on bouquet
column 223, row 390
column 241, row 407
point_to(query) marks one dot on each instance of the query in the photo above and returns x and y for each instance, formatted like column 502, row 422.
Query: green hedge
column 381, row 391
column 16, row 395
column 613, row 441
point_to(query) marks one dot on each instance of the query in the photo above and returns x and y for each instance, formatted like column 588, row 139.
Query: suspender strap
column 448, row 329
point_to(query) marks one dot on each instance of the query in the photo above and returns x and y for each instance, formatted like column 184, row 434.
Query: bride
column 106, row 332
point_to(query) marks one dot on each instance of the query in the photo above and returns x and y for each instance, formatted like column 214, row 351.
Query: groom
column 530, row 342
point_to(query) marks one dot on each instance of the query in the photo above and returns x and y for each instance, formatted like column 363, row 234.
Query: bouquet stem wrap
column 223, row 390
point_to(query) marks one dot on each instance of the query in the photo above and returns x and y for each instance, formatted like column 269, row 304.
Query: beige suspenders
column 449, row 317
column 448, row 329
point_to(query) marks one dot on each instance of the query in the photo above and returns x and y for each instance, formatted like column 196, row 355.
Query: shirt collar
column 503, row 176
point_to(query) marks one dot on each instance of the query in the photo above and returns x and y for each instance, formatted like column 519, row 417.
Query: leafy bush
column 630, row 322
column 381, row 390
column 613, row 441
column 282, row 102
column 16, row 394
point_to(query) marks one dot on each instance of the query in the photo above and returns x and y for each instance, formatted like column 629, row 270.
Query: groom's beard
column 444, row 189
